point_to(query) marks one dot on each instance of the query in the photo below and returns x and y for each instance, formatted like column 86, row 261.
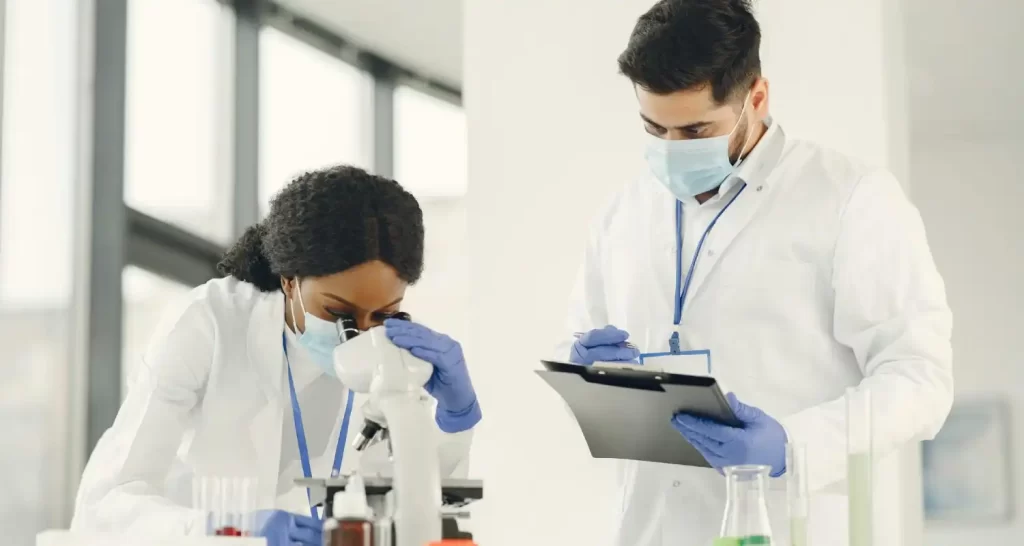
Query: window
column 430, row 145
column 36, row 272
column 147, row 299
column 178, row 155
column 314, row 112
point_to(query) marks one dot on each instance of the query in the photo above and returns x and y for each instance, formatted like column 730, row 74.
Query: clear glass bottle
column 798, row 497
column 746, row 515
column 859, row 466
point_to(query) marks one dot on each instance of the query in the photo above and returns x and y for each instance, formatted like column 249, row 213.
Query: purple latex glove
column 457, row 406
column 282, row 528
column 606, row 344
column 761, row 440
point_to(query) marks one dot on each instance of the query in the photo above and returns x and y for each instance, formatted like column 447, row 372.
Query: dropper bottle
column 352, row 521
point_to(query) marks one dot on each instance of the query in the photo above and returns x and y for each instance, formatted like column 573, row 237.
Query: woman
column 216, row 388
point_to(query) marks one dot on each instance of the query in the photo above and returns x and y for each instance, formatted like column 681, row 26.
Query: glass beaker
column 746, row 515
column 797, row 495
column 859, row 464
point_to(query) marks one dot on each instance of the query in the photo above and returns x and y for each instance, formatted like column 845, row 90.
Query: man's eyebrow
column 689, row 127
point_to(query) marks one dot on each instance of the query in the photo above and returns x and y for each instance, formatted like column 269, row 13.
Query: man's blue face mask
column 691, row 167
column 319, row 337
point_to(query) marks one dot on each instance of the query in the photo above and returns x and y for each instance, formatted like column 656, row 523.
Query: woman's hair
column 325, row 222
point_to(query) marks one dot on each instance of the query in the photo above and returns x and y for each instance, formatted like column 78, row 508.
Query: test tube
column 797, row 493
column 859, row 466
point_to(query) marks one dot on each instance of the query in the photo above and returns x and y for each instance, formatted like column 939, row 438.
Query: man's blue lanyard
column 300, row 431
column 683, row 284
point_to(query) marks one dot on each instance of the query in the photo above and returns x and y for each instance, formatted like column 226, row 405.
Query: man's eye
column 694, row 133
column 654, row 130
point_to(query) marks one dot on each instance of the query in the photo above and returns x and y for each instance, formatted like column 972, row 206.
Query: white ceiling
column 424, row 35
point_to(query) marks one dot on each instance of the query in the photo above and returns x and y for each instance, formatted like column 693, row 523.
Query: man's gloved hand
column 457, row 406
column 606, row 344
column 761, row 440
column 282, row 528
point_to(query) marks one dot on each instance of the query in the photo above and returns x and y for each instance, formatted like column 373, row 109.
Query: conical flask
column 746, row 515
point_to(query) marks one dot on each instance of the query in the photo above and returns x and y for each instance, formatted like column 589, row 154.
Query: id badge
column 661, row 351
column 682, row 362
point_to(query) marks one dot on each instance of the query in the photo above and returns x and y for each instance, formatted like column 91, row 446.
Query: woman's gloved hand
column 282, row 528
column 606, row 344
column 457, row 406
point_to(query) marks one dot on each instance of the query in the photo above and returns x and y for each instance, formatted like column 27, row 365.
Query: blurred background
column 140, row 137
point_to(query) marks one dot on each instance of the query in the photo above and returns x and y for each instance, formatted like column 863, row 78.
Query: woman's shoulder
column 217, row 306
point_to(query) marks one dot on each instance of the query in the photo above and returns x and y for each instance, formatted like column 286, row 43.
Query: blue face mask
column 691, row 167
column 319, row 337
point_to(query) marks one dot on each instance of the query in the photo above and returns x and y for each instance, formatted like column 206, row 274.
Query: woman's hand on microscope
column 457, row 406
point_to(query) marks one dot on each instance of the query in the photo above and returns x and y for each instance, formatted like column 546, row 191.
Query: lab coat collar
column 263, row 343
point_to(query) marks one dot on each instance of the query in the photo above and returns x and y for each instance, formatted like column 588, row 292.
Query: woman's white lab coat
column 210, row 399
column 818, row 277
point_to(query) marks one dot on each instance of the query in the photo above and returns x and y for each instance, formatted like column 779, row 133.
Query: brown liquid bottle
column 351, row 523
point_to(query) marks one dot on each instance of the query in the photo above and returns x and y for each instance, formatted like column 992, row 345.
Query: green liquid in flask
column 753, row 540
column 861, row 513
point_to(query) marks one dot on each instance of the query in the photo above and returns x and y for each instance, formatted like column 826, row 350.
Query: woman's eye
column 339, row 313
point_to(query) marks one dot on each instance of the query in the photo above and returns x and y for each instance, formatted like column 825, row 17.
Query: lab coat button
column 711, row 252
column 761, row 187
column 676, row 483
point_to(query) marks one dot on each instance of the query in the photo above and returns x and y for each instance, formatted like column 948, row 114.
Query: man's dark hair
column 325, row 222
column 686, row 44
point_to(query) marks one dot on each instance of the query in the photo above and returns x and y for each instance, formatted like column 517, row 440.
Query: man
column 801, row 270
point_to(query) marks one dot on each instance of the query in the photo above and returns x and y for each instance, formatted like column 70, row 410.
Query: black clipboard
column 625, row 412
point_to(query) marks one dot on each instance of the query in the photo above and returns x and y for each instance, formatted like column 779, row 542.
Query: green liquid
column 753, row 540
column 858, row 478
column 798, row 531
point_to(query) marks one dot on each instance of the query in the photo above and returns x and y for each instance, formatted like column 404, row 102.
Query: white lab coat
column 818, row 277
column 210, row 399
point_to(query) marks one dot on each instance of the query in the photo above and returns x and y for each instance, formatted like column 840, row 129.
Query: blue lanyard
column 683, row 284
column 300, row 431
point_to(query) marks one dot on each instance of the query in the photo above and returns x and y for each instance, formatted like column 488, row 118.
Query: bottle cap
column 351, row 503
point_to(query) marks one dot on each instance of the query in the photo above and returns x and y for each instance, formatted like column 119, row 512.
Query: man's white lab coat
column 817, row 278
column 210, row 400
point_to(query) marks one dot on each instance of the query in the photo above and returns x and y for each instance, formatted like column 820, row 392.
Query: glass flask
column 746, row 515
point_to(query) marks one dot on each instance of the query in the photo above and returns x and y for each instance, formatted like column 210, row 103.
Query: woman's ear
column 286, row 286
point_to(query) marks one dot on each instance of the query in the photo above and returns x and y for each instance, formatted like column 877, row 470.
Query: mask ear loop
column 295, row 322
column 745, row 140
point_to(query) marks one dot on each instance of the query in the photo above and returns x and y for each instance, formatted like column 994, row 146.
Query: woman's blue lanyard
column 300, row 431
column 683, row 284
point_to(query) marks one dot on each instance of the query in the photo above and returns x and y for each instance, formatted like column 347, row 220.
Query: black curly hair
column 686, row 44
column 325, row 222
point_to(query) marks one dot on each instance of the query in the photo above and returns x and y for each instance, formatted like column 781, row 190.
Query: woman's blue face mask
column 319, row 337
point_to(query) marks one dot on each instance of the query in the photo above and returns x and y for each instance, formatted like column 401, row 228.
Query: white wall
column 552, row 131
column 971, row 189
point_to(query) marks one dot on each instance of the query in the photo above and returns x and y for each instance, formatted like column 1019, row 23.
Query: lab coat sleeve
column 121, row 488
column 891, row 311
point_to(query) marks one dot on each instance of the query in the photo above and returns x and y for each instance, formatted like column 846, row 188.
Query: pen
column 578, row 335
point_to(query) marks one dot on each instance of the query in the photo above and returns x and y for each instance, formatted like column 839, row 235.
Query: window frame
column 110, row 235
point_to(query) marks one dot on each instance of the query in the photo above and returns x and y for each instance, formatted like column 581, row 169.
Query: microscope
column 400, row 412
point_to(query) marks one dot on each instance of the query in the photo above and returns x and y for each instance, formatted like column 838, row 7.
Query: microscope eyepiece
column 347, row 327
